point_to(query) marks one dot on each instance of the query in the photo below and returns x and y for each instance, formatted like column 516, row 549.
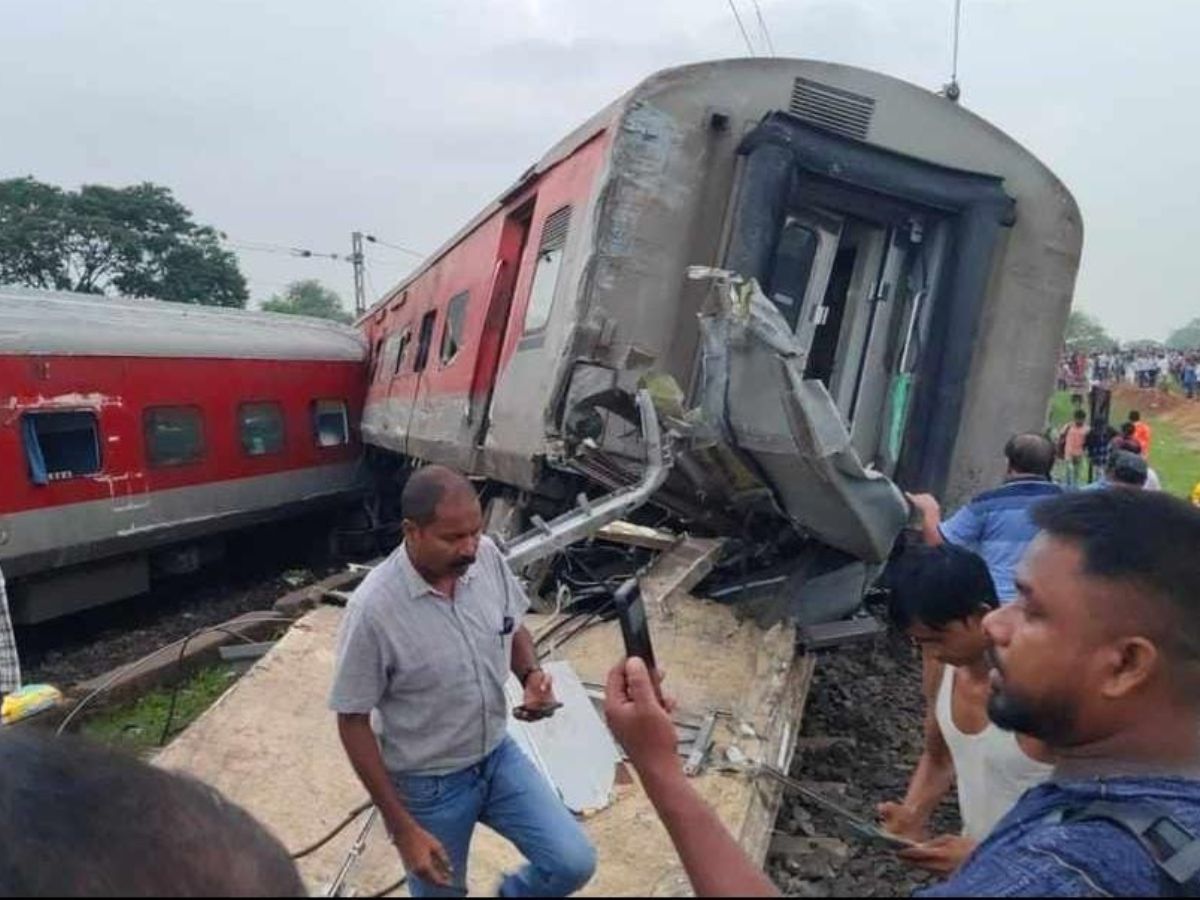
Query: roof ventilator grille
column 833, row 109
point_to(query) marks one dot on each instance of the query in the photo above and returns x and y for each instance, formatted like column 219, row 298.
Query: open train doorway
column 879, row 264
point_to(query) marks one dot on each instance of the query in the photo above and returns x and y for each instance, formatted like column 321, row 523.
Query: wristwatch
column 524, row 676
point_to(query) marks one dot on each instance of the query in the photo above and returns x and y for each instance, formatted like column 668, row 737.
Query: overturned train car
column 135, row 435
column 830, row 282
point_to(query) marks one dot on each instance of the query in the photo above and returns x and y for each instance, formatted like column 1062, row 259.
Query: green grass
column 1177, row 463
column 137, row 726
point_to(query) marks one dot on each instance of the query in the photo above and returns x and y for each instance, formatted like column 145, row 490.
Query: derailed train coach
column 137, row 436
column 829, row 281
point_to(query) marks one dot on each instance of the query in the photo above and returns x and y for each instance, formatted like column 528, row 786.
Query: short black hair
column 1080, row 415
column 1146, row 539
column 426, row 488
column 85, row 821
column 1127, row 467
column 1128, row 429
column 1135, row 416
column 936, row 586
column 1030, row 454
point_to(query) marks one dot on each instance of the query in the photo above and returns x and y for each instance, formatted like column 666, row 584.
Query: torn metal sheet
column 573, row 749
column 755, row 392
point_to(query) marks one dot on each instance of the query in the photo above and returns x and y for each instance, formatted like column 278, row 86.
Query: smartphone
column 635, row 629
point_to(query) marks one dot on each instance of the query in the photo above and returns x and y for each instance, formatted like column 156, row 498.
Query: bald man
column 428, row 642
column 997, row 524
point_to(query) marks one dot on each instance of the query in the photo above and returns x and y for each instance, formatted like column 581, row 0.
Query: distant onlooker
column 86, row 822
column 996, row 524
column 1141, row 432
column 1072, row 444
column 1125, row 470
column 1191, row 378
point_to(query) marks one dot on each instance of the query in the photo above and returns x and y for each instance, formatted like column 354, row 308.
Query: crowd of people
column 1145, row 368
column 1060, row 639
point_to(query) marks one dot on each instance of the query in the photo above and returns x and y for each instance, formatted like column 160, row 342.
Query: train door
column 513, row 238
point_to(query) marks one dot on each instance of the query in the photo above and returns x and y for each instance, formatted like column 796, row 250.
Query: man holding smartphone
column 427, row 643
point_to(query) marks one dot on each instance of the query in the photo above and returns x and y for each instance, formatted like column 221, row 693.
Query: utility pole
column 356, row 257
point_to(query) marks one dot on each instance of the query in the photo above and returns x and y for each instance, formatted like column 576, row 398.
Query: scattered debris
column 836, row 634
column 623, row 532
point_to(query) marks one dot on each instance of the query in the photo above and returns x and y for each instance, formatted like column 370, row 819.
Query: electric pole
column 356, row 257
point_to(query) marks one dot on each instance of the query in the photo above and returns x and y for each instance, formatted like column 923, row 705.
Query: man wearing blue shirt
column 1099, row 658
column 997, row 523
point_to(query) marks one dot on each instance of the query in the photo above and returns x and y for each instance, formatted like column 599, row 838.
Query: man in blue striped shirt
column 997, row 523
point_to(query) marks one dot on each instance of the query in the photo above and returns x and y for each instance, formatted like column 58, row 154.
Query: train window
column 456, row 323
column 402, row 353
column 61, row 445
column 174, row 435
column 262, row 428
column 549, row 262
column 331, row 423
column 391, row 353
column 376, row 360
column 424, row 340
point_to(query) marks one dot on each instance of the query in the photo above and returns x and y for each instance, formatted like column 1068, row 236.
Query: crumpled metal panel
column 574, row 749
column 755, row 391
column 36, row 322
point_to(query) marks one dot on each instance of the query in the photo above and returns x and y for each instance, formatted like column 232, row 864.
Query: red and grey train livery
column 915, row 268
column 134, row 431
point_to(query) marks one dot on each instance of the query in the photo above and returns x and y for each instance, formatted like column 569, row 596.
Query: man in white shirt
column 940, row 596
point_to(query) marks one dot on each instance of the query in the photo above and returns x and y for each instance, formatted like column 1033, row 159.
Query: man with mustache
column 427, row 643
column 1099, row 658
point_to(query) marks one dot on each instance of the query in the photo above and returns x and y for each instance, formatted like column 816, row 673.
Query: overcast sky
column 295, row 122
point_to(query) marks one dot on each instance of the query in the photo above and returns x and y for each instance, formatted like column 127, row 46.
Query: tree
column 309, row 298
column 1185, row 338
column 1086, row 334
column 137, row 241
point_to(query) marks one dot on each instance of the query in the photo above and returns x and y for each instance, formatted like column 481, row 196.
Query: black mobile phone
column 635, row 628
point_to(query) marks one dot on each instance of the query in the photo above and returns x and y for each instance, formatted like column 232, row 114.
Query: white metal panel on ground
column 43, row 323
column 573, row 750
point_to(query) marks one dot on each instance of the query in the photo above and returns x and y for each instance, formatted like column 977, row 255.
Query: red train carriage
column 133, row 432
column 916, row 264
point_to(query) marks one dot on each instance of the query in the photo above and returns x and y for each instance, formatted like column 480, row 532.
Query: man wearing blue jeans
column 428, row 642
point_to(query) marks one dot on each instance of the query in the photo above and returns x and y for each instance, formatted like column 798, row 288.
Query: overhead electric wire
column 374, row 240
column 741, row 27
column 762, row 25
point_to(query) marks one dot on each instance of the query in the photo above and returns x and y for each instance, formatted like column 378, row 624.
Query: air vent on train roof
column 834, row 109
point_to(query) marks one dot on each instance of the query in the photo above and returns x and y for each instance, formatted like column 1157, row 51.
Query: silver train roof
column 42, row 323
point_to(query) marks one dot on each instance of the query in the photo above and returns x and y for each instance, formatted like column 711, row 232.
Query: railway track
column 73, row 649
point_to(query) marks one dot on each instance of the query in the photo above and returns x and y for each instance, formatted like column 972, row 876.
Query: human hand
column 424, row 856
column 941, row 856
column 927, row 505
column 902, row 821
column 539, row 691
column 640, row 723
